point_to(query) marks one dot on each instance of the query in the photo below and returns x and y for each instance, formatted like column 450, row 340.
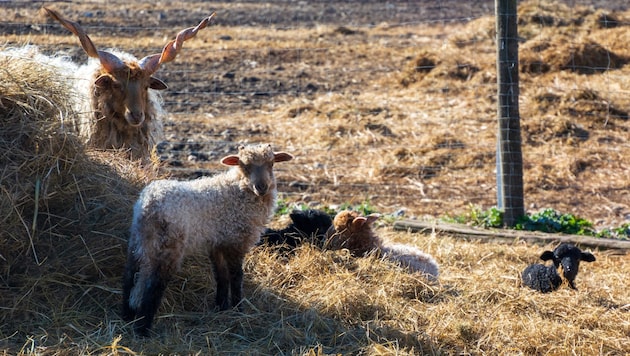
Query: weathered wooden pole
column 509, row 155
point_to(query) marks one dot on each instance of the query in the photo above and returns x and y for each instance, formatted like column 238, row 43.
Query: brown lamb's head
column 354, row 232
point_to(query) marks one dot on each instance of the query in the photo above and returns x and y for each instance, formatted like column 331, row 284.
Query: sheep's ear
column 547, row 255
column 372, row 218
column 330, row 232
column 230, row 160
column 281, row 157
column 298, row 216
column 587, row 257
column 156, row 84
column 358, row 222
column 104, row 81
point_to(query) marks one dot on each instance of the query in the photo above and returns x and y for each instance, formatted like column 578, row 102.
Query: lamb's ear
column 281, row 157
column 230, row 160
column 587, row 257
column 547, row 255
column 298, row 216
column 372, row 218
column 358, row 222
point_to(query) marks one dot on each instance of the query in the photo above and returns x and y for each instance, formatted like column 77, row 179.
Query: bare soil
column 335, row 84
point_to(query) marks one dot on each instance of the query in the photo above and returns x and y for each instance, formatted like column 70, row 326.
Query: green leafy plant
column 549, row 220
column 492, row 217
column 546, row 220
column 284, row 207
column 621, row 232
column 365, row 208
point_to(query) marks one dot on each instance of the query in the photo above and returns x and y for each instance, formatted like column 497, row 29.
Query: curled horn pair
column 111, row 62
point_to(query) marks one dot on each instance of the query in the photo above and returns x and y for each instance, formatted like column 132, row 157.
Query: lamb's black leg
column 236, row 282
column 222, row 279
column 127, row 313
column 151, row 299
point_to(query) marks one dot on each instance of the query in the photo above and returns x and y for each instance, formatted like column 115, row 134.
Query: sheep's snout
column 570, row 267
column 261, row 188
column 261, row 180
column 134, row 118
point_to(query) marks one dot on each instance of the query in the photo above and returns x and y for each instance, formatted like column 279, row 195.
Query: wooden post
column 509, row 155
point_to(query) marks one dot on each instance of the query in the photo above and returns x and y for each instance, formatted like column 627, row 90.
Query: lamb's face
column 256, row 167
column 340, row 232
column 260, row 177
column 344, row 221
column 569, row 258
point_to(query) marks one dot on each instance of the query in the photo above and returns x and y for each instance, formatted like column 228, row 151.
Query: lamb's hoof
column 143, row 331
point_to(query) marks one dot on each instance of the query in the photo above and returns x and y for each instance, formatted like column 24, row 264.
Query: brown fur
column 352, row 231
column 124, row 115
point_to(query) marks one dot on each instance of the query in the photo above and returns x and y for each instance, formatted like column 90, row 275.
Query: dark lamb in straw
column 306, row 225
column 546, row 278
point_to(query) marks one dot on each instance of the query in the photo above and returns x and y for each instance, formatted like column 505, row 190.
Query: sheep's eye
column 117, row 86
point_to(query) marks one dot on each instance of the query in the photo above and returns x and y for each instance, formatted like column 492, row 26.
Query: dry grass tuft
column 65, row 212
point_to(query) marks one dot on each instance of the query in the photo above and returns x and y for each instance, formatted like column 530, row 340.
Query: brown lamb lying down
column 354, row 232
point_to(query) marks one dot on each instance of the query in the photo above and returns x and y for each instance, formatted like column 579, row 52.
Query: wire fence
column 424, row 139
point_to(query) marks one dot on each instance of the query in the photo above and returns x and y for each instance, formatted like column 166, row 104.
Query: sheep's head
column 568, row 256
column 127, row 82
column 352, row 231
column 256, row 166
column 123, row 93
column 311, row 222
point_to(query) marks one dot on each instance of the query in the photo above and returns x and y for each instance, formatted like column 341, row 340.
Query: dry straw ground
column 426, row 113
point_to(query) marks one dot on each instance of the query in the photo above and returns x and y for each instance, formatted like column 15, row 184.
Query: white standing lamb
column 354, row 232
column 223, row 215
column 118, row 109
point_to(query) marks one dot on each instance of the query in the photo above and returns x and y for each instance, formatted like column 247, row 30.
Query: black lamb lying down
column 542, row 278
column 546, row 278
column 306, row 225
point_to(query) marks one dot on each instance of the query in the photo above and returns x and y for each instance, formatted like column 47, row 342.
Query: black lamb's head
column 568, row 256
column 311, row 222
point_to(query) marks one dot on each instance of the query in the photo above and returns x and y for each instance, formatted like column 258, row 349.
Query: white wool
column 172, row 219
column 67, row 70
column 412, row 258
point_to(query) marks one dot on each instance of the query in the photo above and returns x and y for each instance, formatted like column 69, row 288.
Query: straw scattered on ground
column 66, row 211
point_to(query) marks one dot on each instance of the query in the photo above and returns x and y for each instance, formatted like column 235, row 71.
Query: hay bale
column 64, row 212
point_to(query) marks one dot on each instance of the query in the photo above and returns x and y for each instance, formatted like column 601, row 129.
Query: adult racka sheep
column 224, row 215
column 118, row 93
column 546, row 278
column 354, row 232
column 306, row 225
